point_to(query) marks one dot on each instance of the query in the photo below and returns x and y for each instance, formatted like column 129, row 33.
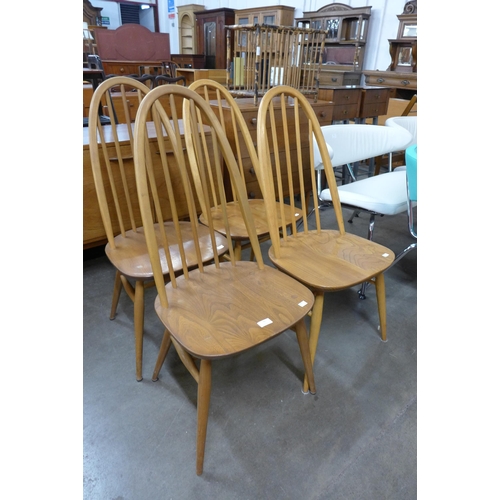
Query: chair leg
column 165, row 346
column 204, row 388
column 138, row 327
column 371, row 227
column 316, row 317
column 355, row 213
column 237, row 250
column 301, row 332
column 382, row 312
column 116, row 295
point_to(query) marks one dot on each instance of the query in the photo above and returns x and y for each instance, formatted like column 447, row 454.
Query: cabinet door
column 333, row 26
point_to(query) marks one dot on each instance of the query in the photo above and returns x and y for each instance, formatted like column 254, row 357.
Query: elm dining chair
column 325, row 260
column 111, row 155
column 223, row 308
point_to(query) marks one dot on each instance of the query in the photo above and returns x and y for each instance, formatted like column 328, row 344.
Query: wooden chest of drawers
column 346, row 101
column 374, row 102
column 323, row 110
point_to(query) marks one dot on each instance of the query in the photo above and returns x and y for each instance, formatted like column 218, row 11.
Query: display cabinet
column 211, row 35
column 403, row 49
column 187, row 27
column 401, row 74
column 347, row 33
column 276, row 15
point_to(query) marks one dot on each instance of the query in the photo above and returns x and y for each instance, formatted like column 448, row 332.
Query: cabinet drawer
column 331, row 78
column 346, row 111
column 371, row 96
column 352, row 79
column 374, row 109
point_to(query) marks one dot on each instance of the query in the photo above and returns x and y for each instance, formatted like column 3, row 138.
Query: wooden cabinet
column 323, row 110
column 211, row 35
column 187, row 27
column 347, row 34
column 277, row 15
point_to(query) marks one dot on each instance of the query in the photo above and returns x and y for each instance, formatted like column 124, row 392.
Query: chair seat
column 130, row 255
column 384, row 194
column 209, row 313
column 237, row 224
column 329, row 261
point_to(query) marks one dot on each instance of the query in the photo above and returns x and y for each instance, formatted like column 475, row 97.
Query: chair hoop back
column 286, row 118
column 201, row 147
column 111, row 157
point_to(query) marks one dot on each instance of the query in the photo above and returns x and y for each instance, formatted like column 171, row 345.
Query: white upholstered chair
column 408, row 123
column 383, row 194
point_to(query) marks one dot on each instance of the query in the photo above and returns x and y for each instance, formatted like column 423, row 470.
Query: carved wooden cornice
column 410, row 7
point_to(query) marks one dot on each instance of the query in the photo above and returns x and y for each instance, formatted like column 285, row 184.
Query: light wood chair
column 236, row 129
column 227, row 307
column 325, row 260
column 112, row 162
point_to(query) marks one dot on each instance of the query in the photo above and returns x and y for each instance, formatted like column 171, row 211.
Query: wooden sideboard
column 93, row 229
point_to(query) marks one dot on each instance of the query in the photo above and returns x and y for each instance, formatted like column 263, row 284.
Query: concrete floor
column 355, row 439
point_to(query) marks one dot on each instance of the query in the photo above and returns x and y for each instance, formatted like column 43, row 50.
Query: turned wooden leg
column 138, row 327
column 165, row 346
column 301, row 331
column 237, row 250
column 316, row 317
column 382, row 312
column 204, row 387
column 116, row 295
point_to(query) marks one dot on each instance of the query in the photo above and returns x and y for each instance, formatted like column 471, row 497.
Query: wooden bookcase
column 187, row 28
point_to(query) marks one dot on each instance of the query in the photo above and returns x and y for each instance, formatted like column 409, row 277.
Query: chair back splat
column 325, row 260
column 224, row 307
